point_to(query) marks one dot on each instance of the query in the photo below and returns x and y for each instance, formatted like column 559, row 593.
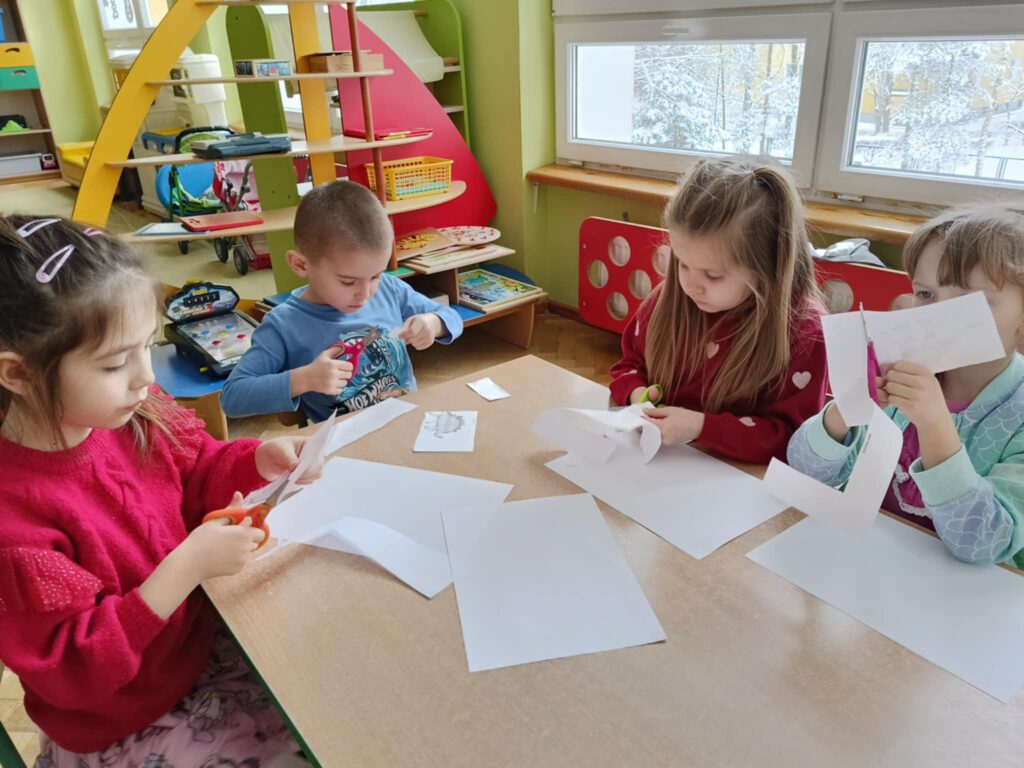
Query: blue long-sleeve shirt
column 975, row 498
column 294, row 333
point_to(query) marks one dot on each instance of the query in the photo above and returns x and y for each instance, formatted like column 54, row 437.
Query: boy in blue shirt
column 343, row 243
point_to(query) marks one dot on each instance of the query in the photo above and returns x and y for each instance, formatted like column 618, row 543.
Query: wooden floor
column 579, row 348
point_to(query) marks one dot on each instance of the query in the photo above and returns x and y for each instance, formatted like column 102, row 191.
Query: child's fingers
column 654, row 414
column 897, row 389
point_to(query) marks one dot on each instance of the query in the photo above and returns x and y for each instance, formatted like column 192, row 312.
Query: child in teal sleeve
column 961, row 469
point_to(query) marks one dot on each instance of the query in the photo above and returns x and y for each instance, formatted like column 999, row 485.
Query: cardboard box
column 342, row 61
column 262, row 68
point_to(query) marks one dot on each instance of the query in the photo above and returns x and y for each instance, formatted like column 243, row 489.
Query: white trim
column 810, row 28
column 610, row 7
column 852, row 30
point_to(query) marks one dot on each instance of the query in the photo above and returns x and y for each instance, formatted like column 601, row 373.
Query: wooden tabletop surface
column 755, row 671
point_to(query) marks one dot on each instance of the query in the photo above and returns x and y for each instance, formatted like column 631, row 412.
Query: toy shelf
column 334, row 144
column 29, row 132
column 282, row 219
column 273, row 78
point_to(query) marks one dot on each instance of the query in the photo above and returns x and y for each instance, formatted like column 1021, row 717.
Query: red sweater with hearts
column 80, row 530
column 762, row 432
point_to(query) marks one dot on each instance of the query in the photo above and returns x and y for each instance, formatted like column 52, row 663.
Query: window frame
column 813, row 29
column 842, row 95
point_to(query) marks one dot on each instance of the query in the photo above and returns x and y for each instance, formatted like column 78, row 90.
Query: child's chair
column 847, row 285
column 9, row 757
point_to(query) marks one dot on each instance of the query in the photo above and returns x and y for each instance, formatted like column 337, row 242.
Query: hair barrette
column 49, row 268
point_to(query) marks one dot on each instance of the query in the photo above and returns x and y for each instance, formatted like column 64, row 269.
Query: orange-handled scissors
column 235, row 515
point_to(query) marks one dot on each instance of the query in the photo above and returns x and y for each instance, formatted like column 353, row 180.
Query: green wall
column 64, row 35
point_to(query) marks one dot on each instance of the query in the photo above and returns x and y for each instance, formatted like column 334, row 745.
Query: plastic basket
column 413, row 177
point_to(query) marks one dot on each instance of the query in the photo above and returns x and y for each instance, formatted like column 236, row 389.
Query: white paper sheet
column 941, row 336
column 406, row 500
column 422, row 568
column 447, row 432
column 543, row 579
column 488, row 390
column 854, row 508
column 597, row 434
column 693, row 501
column 314, row 449
column 260, row 495
column 364, row 422
column 905, row 584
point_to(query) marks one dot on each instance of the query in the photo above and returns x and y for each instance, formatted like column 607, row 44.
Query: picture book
column 487, row 291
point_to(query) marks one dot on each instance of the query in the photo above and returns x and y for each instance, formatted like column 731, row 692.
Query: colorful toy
column 206, row 328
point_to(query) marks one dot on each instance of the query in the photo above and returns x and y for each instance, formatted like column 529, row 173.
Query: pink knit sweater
column 80, row 530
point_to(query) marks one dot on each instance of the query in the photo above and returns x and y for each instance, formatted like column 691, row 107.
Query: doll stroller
column 234, row 184
column 186, row 190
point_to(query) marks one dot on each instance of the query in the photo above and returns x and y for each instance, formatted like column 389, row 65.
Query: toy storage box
column 15, row 165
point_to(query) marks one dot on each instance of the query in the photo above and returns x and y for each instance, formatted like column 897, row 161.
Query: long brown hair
column 42, row 321
column 990, row 236
column 754, row 204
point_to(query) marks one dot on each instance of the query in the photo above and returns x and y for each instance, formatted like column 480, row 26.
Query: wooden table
column 755, row 672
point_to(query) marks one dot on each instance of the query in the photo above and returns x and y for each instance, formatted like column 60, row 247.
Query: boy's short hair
column 341, row 215
column 989, row 235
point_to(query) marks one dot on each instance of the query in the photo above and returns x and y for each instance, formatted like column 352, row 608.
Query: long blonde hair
column 755, row 205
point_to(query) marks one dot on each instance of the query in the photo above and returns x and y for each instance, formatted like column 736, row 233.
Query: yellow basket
column 414, row 177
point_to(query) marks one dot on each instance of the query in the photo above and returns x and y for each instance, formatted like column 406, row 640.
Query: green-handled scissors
column 653, row 395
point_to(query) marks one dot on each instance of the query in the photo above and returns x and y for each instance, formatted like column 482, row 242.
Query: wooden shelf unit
column 298, row 76
column 282, row 219
column 28, row 102
column 336, row 144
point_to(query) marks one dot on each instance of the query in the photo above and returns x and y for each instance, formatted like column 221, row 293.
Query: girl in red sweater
column 730, row 343
column 103, row 489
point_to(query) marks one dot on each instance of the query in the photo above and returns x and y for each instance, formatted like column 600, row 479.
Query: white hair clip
column 29, row 229
column 52, row 265
column 92, row 232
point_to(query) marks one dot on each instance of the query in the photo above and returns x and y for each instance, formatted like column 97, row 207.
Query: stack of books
column 460, row 256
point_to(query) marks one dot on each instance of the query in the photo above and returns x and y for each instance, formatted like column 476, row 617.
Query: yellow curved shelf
column 335, row 144
column 183, row 21
column 282, row 219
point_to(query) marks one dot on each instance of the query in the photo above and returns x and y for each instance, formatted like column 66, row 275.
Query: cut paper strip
column 854, row 508
column 447, row 432
column 488, row 390
column 359, row 425
column 422, row 568
column 314, row 449
column 941, row 336
column 904, row 584
column 406, row 500
column 543, row 579
column 595, row 434
column 693, row 501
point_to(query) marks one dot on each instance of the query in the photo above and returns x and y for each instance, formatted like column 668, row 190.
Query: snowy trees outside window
column 942, row 107
column 720, row 98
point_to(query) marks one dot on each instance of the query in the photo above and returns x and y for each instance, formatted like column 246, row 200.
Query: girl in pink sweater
column 103, row 488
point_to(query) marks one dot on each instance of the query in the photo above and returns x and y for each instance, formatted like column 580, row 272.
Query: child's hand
column 326, row 374
column 636, row 394
column 677, row 425
column 916, row 392
column 421, row 330
column 218, row 548
column 281, row 455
